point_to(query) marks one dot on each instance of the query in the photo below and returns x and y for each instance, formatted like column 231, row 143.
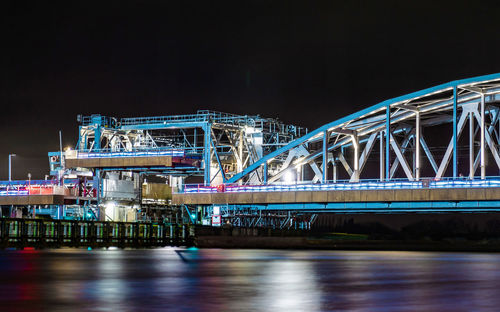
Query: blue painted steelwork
column 207, row 153
column 376, row 207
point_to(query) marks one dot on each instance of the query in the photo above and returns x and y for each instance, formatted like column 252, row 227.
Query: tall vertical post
column 97, row 137
column 298, row 177
column 61, row 150
column 264, row 173
column 98, row 192
column 355, row 144
column 239, row 159
column 334, row 171
column 471, row 145
column 325, row 156
column 10, row 167
column 382, row 153
column 387, row 141
column 207, row 155
column 240, row 151
column 455, row 147
column 483, row 156
column 417, row 146
column 195, row 138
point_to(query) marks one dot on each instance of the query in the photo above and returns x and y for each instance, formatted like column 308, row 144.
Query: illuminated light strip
column 13, row 193
column 175, row 153
column 345, row 186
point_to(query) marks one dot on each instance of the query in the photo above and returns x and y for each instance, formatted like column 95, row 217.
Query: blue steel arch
column 390, row 112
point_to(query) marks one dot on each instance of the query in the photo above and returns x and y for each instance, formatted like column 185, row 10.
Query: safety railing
column 108, row 153
column 344, row 185
column 36, row 187
column 201, row 116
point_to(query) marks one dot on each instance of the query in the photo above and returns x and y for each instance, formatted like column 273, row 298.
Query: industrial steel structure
column 196, row 167
column 126, row 165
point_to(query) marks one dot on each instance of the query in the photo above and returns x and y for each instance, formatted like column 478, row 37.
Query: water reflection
column 247, row 280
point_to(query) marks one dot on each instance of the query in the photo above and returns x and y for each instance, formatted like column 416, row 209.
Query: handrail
column 344, row 185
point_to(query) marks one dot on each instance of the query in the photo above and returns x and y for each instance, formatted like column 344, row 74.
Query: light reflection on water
column 247, row 280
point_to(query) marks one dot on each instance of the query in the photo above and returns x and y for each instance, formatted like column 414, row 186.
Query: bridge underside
column 354, row 201
column 130, row 162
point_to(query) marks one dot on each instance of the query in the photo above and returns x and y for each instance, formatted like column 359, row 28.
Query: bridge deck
column 100, row 162
column 339, row 196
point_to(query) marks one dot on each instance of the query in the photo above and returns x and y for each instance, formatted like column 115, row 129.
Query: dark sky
column 305, row 62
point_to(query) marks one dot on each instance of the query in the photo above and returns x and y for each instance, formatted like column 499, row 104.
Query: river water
column 174, row 279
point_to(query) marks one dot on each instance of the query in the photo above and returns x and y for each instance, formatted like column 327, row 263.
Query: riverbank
column 258, row 238
column 345, row 244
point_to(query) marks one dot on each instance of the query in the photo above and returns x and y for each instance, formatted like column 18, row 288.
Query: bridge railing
column 344, row 185
column 108, row 153
column 36, row 187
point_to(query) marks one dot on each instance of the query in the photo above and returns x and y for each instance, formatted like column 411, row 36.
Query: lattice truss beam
column 391, row 135
column 251, row 217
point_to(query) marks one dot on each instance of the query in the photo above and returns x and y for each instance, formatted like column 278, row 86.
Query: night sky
column 307, row 63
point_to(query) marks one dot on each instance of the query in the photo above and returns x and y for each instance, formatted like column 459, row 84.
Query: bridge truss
column 401, row 129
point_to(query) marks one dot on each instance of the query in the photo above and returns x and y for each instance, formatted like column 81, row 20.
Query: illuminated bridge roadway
column 362, row 197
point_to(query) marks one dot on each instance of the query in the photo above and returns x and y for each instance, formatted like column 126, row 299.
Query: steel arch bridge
column 398, row 126
column 410, row 175
column 434, row 150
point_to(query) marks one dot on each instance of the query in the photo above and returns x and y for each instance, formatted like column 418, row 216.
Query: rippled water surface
column 247, row 280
